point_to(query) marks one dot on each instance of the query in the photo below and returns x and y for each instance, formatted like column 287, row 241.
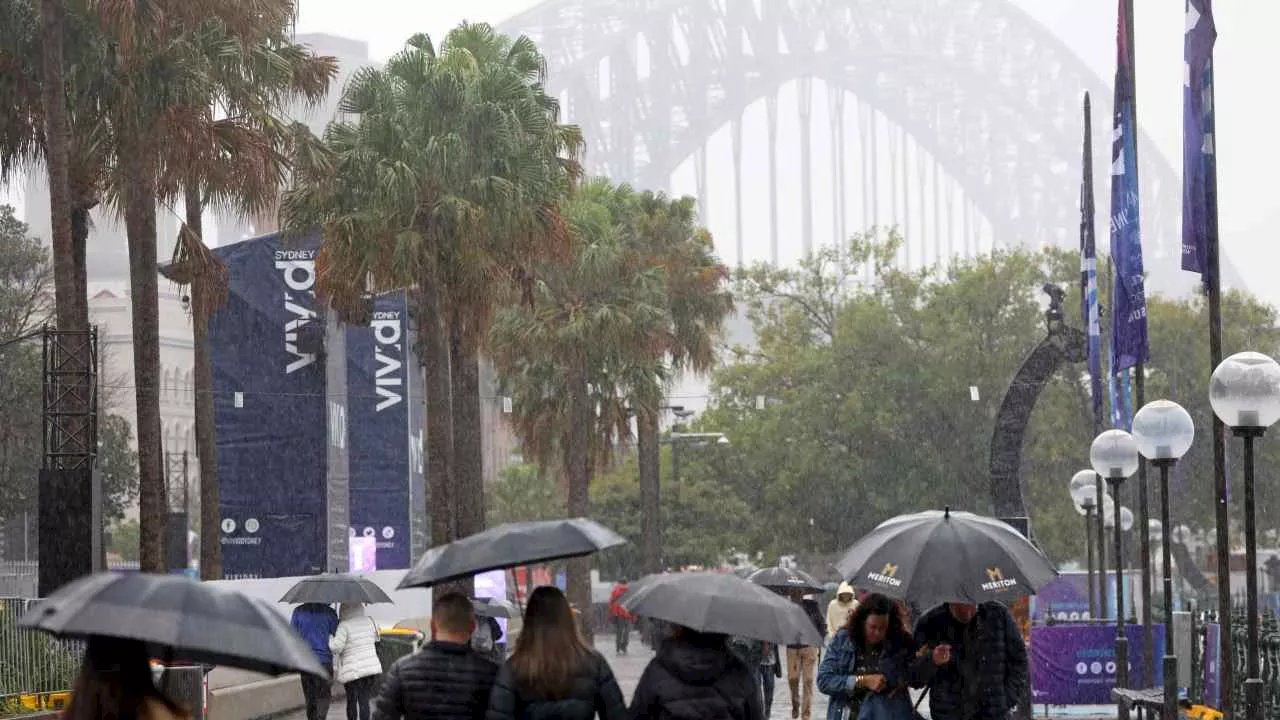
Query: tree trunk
column 468, row 459
column 71, row 310
column 650, row 459
column 140, row 224
column 434, row 356
column 206, row 446
column 79, row 247
column 578, row 580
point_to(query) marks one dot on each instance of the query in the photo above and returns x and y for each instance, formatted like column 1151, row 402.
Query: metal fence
column 32, row 664
column 1269, row 660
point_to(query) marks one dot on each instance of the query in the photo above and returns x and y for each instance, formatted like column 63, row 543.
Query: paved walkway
column 628, row 668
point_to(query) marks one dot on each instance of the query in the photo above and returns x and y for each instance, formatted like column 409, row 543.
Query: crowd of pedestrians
column 970, row 659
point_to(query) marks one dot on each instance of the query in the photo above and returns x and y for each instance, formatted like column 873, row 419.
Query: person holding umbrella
column 316, row 623
column 979, row 662
column 553, row 673
column 115, row 682
column 621, row 618
column 696, row 675
column 802, row 660
column 355, row 653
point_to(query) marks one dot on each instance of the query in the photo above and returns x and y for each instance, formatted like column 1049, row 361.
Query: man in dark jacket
column 764, row 659
column 979, row 661
column 695, row 675
column 316, row 623
column 447, row 679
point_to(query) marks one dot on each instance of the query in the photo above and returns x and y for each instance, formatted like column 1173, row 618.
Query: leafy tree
column 449, row 184
column 523, row 492
column 124, row 540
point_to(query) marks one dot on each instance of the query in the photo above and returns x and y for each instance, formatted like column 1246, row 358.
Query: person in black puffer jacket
column 446, row 679
column 979, row 664
column 695, row 676
column 553, row 674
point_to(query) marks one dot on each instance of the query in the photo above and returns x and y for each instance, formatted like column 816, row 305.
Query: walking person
column 316, row 623
column 979, row 661
column 115, row 681
column 355, row 658
column 553, row 673
column 839, row 610
column 695, row 675
column 621, row 619
column 445, row 680
column 802, row 662
column 869, row 665
column 762, row 657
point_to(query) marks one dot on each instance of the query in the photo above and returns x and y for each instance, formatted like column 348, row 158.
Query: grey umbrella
column 721, row 603
column 510, row 545
column 780, row 578
column 178, row 619
column 943, row 556
column 335, row 588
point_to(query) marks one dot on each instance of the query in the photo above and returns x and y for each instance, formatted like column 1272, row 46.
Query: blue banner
column 269, row 410
column 1198, row 159
column 1129, row 302
column 378, row 409
column 1076, row 664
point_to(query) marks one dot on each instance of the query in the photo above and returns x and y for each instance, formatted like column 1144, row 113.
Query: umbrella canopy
column 721, row 603
column 780, row 578
column 490, row 607
column 335, row 588
column 943, row 556
column 508, row 546
column 178, row 619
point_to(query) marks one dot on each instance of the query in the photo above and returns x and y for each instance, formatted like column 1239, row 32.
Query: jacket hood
column 694, row 664
column 351, row 610
column 845, row 589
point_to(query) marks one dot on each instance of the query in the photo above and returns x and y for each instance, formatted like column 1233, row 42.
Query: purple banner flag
column 1212, row 673
column 1198, row 159
column 1129, row 302
column 1089, row 267
column 1075, row 664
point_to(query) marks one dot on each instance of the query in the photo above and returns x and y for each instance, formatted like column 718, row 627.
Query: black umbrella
column 721, row 603
column 489, row 607
column 178, row 619
column 780, row 578
column 335, row 588
column 508, row 546
column 943, row 556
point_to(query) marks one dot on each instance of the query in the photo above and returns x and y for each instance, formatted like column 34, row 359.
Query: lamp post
column 1245, row 394
column 1082, row 496
column 1114, row 456
column 1164, row 432
column 675, row 439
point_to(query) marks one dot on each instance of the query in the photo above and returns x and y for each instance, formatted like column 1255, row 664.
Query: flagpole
column 1089, row 305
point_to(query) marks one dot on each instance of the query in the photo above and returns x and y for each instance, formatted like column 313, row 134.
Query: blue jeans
column 766, row 684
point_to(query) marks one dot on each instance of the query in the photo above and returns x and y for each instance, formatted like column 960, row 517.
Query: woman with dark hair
column 696, row 675
column 869, row 663
column 115, row 682
column 553, row 673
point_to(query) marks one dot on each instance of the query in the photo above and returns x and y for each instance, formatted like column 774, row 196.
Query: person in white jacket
column 355, row 658
column 840, row 609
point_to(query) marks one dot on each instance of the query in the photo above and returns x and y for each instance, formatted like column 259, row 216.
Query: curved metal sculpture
column 990, row 94
column 1063, row 344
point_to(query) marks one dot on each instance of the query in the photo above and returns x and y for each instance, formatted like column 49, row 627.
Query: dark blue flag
column 1129, row 303
column 1198, row 160
column 1089, row 267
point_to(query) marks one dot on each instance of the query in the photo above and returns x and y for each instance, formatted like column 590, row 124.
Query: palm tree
column 446, row 185
column 664, row 231
column 569, row 358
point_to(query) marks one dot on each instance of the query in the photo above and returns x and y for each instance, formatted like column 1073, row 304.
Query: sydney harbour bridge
column 957, row 120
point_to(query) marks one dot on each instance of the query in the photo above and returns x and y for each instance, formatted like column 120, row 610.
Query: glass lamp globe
column 1108, row 514
column 1126, row 519
column 1245, row 391
column 1163, row 430
column 1154, row 528
column 1114, row 455
column 1083, row 490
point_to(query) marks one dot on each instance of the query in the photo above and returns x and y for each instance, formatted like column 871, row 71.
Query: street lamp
column 1114, row 456
column 1082, row 495
column 1245, row 394
column 1164, row 432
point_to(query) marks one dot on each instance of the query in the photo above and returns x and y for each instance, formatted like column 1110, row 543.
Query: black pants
column 621, row 635
column 767, row 679
column 359, row 693
column 317, row 692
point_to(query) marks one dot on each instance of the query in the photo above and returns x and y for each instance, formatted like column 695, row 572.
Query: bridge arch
column 989, row 93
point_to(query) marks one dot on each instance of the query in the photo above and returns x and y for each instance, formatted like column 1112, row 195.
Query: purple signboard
column 1075, row 664
column 1212, row 678
column 1066, row 599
